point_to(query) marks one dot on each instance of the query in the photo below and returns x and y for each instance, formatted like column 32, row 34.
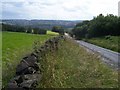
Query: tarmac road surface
column 112, row 57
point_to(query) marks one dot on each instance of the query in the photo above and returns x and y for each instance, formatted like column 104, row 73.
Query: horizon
column 43, row 19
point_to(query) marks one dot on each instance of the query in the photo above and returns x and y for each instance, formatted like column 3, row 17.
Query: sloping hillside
column 46, row 24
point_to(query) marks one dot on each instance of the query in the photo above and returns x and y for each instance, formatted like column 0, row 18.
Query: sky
column 57, row 9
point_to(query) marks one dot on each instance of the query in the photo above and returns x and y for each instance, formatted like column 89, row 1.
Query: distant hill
column 46, row 24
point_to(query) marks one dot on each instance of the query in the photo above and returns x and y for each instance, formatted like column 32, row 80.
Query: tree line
column 15, row 28
column 97, row 27
column 33, row 30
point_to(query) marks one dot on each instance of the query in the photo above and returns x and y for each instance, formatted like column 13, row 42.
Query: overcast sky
column 57, row 9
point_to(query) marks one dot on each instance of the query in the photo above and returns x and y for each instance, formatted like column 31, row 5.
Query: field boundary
column 29, row 71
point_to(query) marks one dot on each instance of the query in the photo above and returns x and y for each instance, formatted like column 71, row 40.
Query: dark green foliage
column 28, row 30
column 58, row 29
column 35, row 30
column 99, row 26
column 80, row 30
column 15, row 28
column 39, row 31
column 12, row 28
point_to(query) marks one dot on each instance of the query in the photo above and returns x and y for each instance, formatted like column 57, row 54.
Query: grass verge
column 72, row 67
column 109, row 42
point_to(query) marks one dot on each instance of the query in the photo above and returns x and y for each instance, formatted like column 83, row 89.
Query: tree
column 12, row 28
column 80, row 30
column 97, row 27
column 58, row 29
column 39, row 31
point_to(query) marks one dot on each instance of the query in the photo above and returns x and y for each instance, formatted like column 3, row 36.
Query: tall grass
column 72, row 67
column 14, row 47
column 109, row 42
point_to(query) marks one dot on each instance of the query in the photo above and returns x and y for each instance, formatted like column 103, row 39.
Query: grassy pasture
column 109, row 42
column 72, row 67
column 14, row 47
column 52, row 33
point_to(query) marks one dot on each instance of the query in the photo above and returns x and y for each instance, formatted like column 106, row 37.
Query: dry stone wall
column 28, row 72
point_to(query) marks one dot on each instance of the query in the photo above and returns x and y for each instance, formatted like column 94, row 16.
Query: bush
column 39, row 31
column 58, row 29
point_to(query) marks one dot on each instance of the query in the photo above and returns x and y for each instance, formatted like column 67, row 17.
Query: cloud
column 58, row 9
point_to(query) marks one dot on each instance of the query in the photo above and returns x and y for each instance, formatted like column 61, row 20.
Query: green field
column 14, row 47
column 72, row 67
column 69, row 67
column 52, row 33
column 109, row 42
